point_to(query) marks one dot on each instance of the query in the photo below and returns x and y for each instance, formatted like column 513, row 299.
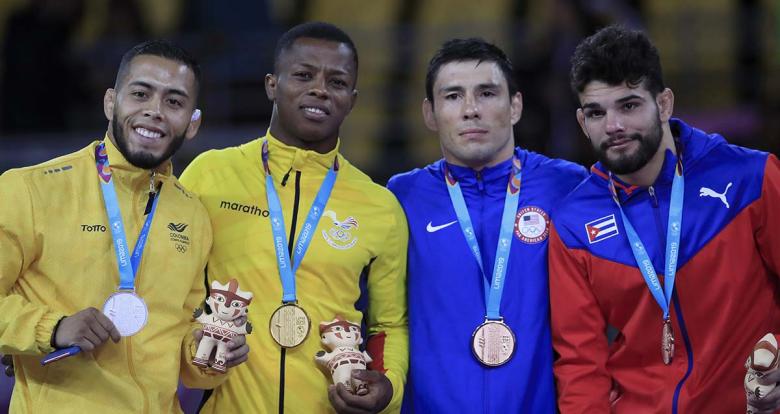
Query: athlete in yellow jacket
column 58, row 263
column 355, row 265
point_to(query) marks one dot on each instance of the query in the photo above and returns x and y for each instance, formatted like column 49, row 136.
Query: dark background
column 720, row 57
column 57, row 57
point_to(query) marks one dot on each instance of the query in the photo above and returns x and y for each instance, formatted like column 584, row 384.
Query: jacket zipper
column 153, row 190
column 290, row 243
column 481, row 236
column 676, row 303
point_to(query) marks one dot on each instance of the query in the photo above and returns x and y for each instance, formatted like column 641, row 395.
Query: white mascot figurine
column 227, row 320
column 763, row 360
column 342, row 339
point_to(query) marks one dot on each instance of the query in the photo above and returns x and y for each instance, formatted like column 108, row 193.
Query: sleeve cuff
column 44, row 330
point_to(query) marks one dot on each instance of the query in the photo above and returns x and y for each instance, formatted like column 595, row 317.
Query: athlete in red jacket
column 671, row 246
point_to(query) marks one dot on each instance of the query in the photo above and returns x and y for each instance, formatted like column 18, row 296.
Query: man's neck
column 479, row 165
column 647, row 175
column 323, row 146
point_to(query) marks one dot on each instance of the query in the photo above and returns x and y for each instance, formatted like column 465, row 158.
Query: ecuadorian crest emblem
column 340, row 236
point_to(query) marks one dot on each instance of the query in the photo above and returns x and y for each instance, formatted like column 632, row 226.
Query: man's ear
column 581, row 121
column 109, row 100
column 665, row 102
column 194, row 126
column 270, row 86
column 428, row 115
column 354, row 99
column 516, row 107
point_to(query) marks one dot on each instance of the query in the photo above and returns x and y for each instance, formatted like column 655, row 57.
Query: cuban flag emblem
column 601, row 229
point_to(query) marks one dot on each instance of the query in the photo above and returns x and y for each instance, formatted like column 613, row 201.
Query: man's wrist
column 52, row 341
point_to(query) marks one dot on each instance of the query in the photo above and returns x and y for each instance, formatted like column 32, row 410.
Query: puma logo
column 707, row 192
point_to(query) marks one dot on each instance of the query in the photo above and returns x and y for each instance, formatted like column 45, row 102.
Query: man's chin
column 144, row 160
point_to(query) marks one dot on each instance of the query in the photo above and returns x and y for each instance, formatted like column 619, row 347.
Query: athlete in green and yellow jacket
column 363, row 268
column 355, row 265
column 58, row 264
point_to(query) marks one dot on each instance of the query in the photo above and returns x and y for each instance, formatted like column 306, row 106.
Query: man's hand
column 771, row 402
column 87, row 329
column 238, row 350
column 380, row 392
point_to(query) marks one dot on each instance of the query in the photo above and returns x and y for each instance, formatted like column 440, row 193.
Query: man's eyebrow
column 629, row 97
column 591, row 105
column 488, row 85
column 147, row 85
column 338, row 71
column 452, row 88
column 595, row 105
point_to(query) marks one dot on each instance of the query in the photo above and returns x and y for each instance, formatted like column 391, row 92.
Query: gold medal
column 289, row 325
column 667, row 342
column 493, row 343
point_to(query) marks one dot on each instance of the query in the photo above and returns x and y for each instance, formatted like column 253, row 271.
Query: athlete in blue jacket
column 478, row 222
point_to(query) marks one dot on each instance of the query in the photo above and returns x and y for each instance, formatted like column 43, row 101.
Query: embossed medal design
column 289, row 325
column 667, row 342
column 127, row 311
column 493, row 343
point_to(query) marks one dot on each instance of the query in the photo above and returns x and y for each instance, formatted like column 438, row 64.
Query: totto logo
column 93, row 228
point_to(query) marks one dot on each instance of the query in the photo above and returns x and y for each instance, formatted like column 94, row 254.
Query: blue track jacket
column 446, row 293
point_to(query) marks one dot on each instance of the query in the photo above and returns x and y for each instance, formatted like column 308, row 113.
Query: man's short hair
column 163, row 49
column 616, row 55
column 459, row 50
column 314, row 30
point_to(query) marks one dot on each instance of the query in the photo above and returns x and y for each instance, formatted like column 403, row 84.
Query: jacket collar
column 492, row 178
column 283, row 158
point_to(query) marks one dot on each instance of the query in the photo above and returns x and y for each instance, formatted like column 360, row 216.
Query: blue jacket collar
column 493, row 178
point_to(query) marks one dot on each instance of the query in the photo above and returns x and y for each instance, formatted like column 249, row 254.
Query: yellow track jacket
column 57, row 258
column 346, row 269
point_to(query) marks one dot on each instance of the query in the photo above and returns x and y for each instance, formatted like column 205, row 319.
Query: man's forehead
column 159, row 71
column 308, row 50
column 602, row 93
column 469, row 73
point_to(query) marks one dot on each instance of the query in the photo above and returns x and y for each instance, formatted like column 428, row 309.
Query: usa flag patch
column 601, row 229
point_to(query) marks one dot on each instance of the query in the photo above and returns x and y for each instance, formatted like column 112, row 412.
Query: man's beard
column 141, row 159
column 632, row 162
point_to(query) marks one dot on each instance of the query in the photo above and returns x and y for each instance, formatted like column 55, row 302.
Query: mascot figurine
column 763, row 360
column 227, row 320
column 342, row 339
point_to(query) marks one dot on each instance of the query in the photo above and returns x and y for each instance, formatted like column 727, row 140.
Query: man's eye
column 451, row 96
column 174, row 102
column 138, row 94
column 339, row 83
column 630, row 105
column 302, row 75
column 594, row 114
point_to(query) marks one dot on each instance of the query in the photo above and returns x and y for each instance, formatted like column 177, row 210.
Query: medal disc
column 667, row 342
column 127, row 311
column 493, row 343
column 289, row 325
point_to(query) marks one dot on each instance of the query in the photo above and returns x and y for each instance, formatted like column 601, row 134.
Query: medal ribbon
column 286, row 269
column 127, row 268
column 662, row 295
column 493, row 287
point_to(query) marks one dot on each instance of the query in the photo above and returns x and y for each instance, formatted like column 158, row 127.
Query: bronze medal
column 289, row 325
column 493, row 343
column 667, row 342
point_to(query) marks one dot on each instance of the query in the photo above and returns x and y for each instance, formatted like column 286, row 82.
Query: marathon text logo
column 244, row 208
